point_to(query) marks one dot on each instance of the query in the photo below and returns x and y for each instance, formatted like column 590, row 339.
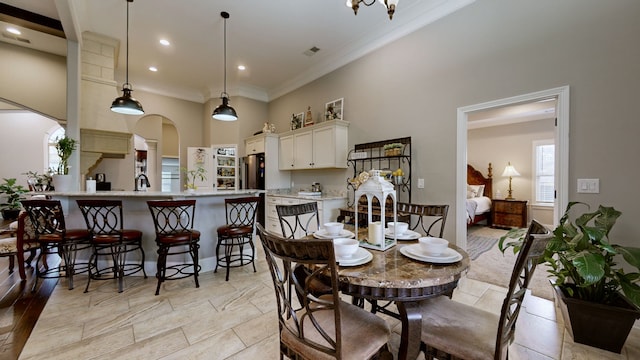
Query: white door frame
column 562, row 152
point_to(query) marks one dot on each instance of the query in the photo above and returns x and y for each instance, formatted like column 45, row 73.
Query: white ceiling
column 268, row 37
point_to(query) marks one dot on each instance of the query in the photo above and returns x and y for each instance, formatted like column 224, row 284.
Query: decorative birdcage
column 376, row 187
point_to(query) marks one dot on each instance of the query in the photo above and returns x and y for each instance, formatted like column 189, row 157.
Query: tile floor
column 236, row 320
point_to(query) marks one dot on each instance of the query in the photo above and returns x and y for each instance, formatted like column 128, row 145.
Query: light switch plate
column 589, row 186
column 420, row 183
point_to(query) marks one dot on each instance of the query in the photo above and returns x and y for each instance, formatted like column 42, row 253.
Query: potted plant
column 65, row 147
column 190, row 177
column 393, row 149
column 593, row 292
column 38, row 182
column 13, row 193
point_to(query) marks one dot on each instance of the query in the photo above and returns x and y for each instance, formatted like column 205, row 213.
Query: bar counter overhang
column 210, row 214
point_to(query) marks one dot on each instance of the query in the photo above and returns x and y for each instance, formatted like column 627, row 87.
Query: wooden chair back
column 302, row 219
column 430, row 219
column 528, row 257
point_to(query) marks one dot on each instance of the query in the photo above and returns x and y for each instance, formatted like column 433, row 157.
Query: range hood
column 103, row 133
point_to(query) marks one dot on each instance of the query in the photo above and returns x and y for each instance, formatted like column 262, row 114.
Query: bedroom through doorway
column 500, row 120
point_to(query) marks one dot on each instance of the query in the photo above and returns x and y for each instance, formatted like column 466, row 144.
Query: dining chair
column 302, row 220
column 453, row 329
column 47, row 218
column 241, row 215
column 298, row 219
column 23, row 240
column 322, row 327
column 430, row 219
column 175, row 235
column 109, row 239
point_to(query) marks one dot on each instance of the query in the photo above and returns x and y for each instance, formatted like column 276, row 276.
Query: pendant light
column 225, row 112
column 127, row 104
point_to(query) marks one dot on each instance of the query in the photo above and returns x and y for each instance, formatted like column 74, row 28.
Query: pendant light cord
column 126, row 80
column 225, row 55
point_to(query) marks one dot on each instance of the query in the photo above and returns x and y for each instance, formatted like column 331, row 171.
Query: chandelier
column 390, row 5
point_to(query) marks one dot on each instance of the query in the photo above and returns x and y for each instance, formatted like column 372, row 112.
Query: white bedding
column 477, row 206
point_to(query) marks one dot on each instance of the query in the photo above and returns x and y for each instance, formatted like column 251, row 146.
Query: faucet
column 142, row 183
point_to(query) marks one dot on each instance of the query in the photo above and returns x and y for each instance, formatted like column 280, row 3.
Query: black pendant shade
column 126, row 104
column 225, row 112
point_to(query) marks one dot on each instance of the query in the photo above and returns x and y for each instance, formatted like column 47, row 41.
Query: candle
column 91, row 186
column 375, row 233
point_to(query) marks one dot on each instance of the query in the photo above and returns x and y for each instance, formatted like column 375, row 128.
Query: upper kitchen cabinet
column 320, row 146
column 255, row 145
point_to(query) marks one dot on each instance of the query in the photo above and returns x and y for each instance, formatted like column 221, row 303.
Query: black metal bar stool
column 241, row 223
column 173, row 221
column 47, row 218
column 109, row 239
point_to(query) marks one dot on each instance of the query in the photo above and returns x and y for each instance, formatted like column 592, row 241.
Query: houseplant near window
column 190, row 177
column 13, row 194
column 65, row 147
column 587, row 279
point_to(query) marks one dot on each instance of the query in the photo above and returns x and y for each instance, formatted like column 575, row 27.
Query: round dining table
column 393, row 276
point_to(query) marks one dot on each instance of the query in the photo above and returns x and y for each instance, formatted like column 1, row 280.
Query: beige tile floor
column 237, row 320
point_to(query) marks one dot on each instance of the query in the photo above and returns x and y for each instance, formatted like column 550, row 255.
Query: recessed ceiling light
column 153, row 68
column 241, row 67
column 14, row 31
column 165, row 42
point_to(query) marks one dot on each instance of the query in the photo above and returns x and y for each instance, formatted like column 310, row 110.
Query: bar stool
column 108, row 238
column 173, row 221
column 47, row 218
column 241, row 216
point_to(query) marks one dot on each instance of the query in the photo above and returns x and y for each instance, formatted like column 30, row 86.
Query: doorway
column 561, row 95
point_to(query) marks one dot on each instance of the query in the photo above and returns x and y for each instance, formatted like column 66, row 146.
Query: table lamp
column 510, row 171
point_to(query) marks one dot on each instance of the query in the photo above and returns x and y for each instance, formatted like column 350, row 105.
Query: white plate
column 362, row 256
column 415, row 252
column 323, row 234
column 407, row 235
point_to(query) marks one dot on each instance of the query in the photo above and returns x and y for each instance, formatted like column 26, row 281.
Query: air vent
column 312, row 51
column 13, row 37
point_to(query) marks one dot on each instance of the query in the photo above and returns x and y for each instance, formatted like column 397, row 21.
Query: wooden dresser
column 508, row 213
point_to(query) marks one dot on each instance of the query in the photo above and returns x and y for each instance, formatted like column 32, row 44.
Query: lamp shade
column 225, row 112
column 510, row 171
column 126, row 104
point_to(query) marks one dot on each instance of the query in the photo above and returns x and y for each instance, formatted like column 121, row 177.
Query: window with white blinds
column 544, row 166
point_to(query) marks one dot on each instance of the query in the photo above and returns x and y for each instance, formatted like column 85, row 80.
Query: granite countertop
column 197, row 193
column 328, row 195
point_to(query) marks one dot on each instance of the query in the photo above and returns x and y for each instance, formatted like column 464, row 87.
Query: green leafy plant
column 65, row 147
column 38, row 182
column 190, row 176
column 13, row 193
column 582, row 260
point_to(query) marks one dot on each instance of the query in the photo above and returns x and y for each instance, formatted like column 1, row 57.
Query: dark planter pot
column 602, row 326
column 10, row 214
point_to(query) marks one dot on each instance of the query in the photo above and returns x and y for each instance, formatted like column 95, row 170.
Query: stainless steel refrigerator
column 255, row 179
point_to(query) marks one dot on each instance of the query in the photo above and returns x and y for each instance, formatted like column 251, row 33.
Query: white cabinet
column 254, row 145
column 201, row 157
column 328, row 210
column 323, row 145
column 286, row 152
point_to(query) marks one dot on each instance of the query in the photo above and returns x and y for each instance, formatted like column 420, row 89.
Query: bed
column 479, row 194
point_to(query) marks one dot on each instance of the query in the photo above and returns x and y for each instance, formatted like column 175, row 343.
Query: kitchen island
column 210, row 213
